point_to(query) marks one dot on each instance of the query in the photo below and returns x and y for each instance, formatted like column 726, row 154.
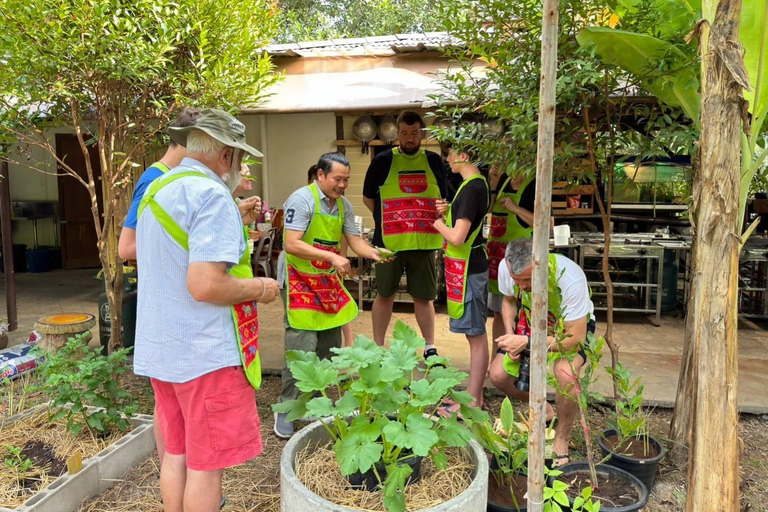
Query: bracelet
column 529, row 342
column 263, row 288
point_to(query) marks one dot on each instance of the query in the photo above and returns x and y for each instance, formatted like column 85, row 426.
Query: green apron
column 522, row 324
column 408, row 211
column 160, row 165
column 457, row 261
column 317, row 299
column 245, row 316
column 504, row 228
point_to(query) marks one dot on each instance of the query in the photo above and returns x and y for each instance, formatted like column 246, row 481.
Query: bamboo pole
column 542, row 206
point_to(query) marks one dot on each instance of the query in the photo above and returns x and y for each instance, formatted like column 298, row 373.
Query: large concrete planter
column 295, row 497
column 99, row 473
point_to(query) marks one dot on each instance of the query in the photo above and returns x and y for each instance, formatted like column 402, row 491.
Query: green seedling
column 16, row 461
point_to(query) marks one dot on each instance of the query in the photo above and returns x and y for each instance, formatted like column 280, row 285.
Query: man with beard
column 401, row 189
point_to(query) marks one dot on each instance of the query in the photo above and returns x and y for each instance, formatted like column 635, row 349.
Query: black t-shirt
column 527, row 198
column 472, row 203
column 377, row 174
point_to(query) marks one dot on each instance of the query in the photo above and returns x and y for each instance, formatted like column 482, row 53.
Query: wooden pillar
column 542, row 206
column 5, row 225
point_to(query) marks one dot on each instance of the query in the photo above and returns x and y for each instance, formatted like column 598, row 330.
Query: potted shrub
column 627, row 444
column 608, row 484
column 384, row 421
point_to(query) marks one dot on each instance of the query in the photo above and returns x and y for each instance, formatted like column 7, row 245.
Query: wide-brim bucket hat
column 218, row 124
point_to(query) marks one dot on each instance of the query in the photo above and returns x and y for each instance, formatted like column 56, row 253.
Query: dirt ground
column 255, row 486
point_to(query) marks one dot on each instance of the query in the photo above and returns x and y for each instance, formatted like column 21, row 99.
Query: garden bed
column 254, row 485
column 43, row 449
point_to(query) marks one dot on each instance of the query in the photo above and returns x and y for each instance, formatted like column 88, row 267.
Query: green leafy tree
column 313, row 20
column 116, row 71
column 597, row 116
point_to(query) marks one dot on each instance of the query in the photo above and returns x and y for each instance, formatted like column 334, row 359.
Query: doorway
column 78, row 234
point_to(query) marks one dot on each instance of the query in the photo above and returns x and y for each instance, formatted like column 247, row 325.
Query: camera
column 524, row 379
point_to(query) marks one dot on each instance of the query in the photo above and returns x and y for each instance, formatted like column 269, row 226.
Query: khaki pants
column 320, row 342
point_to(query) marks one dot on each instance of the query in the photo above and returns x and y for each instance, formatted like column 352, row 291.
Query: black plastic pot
column 644, row 469
column 368, row 479
column 612, row 472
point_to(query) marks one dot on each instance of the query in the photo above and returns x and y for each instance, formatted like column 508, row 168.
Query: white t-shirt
column 573, row 287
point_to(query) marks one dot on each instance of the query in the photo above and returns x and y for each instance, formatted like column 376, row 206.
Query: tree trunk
column 713, row 463
column 542, row 207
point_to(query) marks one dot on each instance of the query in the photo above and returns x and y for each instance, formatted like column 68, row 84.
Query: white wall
column 31, row 185
column 294, row 143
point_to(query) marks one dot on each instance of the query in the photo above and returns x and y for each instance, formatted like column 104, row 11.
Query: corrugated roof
column 365, row 46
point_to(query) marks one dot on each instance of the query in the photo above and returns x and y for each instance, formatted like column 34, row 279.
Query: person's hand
column 255, row 235
column 512, row 344
column 250, row 209
column 270, row 290
column 438, row 223
column 375, row 255
column 493, row 176
column 509, row 204
column 341, row 264
column 442, row 206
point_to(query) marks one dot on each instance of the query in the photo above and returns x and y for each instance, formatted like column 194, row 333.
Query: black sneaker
column 432, row 352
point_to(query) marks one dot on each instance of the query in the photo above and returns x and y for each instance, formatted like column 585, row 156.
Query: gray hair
column 519, row 255
column 201, row 143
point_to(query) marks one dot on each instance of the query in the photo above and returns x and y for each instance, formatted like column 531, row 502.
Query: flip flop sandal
column 557, row 458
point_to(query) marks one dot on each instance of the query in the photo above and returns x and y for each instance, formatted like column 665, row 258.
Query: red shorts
column 211, row 419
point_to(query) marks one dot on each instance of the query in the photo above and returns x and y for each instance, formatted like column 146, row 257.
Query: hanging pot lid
column 388, row 129
column 364, row 129
column 492, row 127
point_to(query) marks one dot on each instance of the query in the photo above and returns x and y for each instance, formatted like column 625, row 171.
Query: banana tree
column 670, row 75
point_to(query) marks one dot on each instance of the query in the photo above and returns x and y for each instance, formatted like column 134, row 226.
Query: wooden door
column 78, row 234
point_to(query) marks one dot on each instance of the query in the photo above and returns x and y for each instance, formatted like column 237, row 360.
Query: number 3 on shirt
column 289, row 215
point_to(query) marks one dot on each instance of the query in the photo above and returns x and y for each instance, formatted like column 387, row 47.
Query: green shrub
column 76, row 377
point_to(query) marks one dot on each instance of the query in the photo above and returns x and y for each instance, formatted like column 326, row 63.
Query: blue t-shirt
column 151, row 174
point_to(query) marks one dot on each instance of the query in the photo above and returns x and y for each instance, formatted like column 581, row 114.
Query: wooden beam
column 5, row 226
column 539, row 309
column 353, row 142
column 340, row 134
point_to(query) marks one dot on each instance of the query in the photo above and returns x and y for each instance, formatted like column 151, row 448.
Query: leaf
column 347, row 404
column 313, row 375
column 507, row 415
column 561, row 498
column 357, row 454
column 426, row 393
column 402, row 357
column 320, row 407
column 295, row 408
column 404, row 333
column 636, row 54
column 364, row 428
column 394, row 498
column 440, row 459
column 95, row 422
column 753, row 35
column 416, row 435
column 452, row 434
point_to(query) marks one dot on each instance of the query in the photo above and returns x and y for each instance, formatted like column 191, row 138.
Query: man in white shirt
column 568, row 299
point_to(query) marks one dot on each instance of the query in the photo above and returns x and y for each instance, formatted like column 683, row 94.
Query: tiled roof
column 364, row 46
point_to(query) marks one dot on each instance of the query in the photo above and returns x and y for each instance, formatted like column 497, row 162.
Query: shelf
column 627, row 310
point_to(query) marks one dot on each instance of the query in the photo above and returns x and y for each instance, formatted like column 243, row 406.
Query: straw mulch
column 16, row 487
column 316, row 467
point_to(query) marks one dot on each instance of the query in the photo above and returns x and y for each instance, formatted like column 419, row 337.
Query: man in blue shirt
column 126, row 247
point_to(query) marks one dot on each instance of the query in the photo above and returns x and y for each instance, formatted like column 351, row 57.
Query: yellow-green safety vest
column 317, row 298
column 245, row 315
column 408, row 204
column 457, row 261
column 504, row 228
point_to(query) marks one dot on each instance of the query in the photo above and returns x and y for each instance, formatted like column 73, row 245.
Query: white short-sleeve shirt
column 576, row 302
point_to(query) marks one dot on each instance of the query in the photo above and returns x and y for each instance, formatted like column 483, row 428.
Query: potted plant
column 607, row 483
column 627, row 444
column 384, row 421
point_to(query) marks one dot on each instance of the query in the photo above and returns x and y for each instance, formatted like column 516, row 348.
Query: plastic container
column 39, row 260
column 130, row 297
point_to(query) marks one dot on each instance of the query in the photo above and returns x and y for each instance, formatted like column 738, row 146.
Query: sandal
column 560, row 460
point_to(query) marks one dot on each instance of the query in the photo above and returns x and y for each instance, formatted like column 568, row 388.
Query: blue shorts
column 472, row 322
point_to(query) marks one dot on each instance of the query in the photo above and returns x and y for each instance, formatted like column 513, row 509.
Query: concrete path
column 653, row 353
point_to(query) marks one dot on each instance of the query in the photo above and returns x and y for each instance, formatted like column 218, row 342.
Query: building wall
column 294, row 143
column 30, row 185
